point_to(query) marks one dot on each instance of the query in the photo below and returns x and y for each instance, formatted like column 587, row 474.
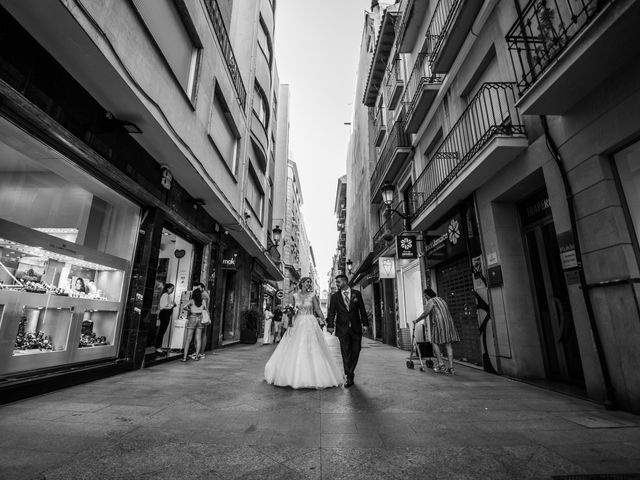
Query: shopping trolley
column 421, row 345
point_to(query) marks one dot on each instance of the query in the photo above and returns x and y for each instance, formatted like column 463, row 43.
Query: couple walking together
column 302, row 359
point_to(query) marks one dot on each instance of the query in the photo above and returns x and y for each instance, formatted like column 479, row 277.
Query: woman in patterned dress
column 443, row 331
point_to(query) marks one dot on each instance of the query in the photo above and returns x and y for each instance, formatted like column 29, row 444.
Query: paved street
column 217, row 419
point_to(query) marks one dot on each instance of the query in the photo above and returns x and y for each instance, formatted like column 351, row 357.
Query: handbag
column 206, row 319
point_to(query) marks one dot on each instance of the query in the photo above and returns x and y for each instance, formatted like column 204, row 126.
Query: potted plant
column 249, row 333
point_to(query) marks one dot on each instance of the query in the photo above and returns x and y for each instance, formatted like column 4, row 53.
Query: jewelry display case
column 60, row 302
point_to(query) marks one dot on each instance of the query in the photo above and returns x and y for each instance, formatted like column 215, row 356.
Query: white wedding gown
column 302, row 359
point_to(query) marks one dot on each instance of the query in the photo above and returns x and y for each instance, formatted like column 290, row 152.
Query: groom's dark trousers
column 348, row 321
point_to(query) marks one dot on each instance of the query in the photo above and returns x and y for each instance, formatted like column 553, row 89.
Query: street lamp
column 349, row 265
column 277, row 235
column 387, row 190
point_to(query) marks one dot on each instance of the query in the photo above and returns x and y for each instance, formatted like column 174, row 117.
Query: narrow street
column 217, row 419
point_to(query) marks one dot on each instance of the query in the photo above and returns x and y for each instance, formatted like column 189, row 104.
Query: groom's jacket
column 341, row 316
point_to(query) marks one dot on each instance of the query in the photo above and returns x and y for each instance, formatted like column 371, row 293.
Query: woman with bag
column 165, row 310
column 195, row 309
column 206, row 321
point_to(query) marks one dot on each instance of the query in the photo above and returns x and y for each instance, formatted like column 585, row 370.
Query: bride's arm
column 317, row 310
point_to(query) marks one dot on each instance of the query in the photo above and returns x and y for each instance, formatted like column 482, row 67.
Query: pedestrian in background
column 165, row 310
column 194, row 308
column 443, row 330
column 268, row 318
column 199, row 353
column 277, row 325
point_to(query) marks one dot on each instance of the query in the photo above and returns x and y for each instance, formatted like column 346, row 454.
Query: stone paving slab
column 218, row 419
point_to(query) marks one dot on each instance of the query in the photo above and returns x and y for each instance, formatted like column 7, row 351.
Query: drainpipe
column 609, row 401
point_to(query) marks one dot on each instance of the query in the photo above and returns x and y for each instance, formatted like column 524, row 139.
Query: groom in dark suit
column 347, row 313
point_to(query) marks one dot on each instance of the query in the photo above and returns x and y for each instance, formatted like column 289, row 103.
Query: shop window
column 175, row 37
column 66, row 242
column 628, row 164
column 223, row 132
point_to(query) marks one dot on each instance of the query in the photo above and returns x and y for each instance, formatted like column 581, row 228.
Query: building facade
column 138, row 150
column 510, row 131
column 339, row 259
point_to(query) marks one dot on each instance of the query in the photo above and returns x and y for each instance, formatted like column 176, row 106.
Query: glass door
column 555, row 318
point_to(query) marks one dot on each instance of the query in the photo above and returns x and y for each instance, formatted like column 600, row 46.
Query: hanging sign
column 179, row 253
column 229, row 260
column 387, row 267
column 280, row 294
column 406, row 247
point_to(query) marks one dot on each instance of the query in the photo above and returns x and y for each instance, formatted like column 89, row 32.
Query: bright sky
column 316, row 47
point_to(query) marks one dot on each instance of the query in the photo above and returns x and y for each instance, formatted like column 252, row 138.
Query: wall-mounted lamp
column 387, row 190
column 277, row 236
column 349, row 265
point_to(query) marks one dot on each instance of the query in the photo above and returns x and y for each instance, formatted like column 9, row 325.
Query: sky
column 317, row 44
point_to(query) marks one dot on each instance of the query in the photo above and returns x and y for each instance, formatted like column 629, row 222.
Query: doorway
column 555, row 318
column 229, row 331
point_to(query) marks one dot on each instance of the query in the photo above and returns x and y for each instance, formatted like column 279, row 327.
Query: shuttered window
column 223, row 132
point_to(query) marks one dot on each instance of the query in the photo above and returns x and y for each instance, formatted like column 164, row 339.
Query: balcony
column 396, row 149
column 225, row 45
column 562, row 50
column 380, row 127
column 486, row 137
column 393, row 84
column 448, row 29
column 393, row 225
column 421, row 91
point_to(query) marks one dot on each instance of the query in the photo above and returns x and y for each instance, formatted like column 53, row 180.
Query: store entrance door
column 555, row 319
column 229, row 331
column 455, row 284
column 389, row 312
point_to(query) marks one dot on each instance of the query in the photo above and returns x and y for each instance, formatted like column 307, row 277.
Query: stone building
column 511, row 136
column 137, row 148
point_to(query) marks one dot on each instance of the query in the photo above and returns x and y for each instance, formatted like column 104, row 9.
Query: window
column 175, row 38
column 223, row 131
column 254, row 195
column 264, row 42
column 628, row 164
column 260, row 106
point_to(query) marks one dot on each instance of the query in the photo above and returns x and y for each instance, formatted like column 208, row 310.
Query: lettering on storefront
column 446, row 240
column 567, row 247
column 387, row 267
column 536, row 207
column 229, row 260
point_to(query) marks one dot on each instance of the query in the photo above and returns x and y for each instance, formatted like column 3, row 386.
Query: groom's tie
column 345, row 294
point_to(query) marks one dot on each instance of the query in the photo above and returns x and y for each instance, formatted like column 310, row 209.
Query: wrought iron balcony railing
column 396, row 138
column 491, row 112
column 393, row 84
column 440, row 22
column 542, row 32
column 393, row 225
column 223, row 39
column 421, row 76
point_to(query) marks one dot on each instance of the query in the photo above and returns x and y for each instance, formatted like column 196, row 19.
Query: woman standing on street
column 194, row 323
column 443, row 331
column 268, row 318
column 165, row 310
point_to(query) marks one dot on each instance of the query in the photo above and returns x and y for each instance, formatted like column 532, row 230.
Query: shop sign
column 492, row 259
column 406, row 247
column 535, row 208
column 387, row 267
column 280, row 294
column 445, row 240
column 268, row 289
column 229, row 260
column 567, row 248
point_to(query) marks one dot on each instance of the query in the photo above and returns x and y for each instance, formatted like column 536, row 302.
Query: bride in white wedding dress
column 302, row 359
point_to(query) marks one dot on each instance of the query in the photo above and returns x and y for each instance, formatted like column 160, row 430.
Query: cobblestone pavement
column 217, row 419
